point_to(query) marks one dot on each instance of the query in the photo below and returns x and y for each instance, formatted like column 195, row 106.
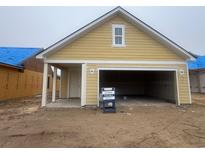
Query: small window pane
column 118, row 31
column 118, row 40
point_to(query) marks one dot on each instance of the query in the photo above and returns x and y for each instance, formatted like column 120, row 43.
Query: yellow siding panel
column 97, row 45
column 64, row 83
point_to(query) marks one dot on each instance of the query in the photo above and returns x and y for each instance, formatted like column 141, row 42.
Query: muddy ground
column 24, row 124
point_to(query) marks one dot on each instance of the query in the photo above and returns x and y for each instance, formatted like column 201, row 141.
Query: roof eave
column 33, row 55
column 12, row 66
column 162, row 38
column 78, row 33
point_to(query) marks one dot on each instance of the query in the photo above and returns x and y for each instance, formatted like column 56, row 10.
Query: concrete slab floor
column 120, row 101
column 65, row 103
column 141, row 101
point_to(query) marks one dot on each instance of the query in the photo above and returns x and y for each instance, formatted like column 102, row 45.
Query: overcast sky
column 43, row 26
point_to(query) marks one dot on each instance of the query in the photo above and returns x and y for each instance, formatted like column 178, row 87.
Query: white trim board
column 139, row 69
column 112, row 62
column 117, row 11
column 83, row 84
column 177, row 82
column 187, row 69
column 68, row 83
column 60, row 85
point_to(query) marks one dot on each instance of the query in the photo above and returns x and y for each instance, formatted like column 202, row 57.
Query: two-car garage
column 138, row 83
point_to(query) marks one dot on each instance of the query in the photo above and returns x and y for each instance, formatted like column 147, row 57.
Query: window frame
column 113, row 35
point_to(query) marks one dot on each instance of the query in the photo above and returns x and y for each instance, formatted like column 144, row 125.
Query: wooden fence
column 15, row 84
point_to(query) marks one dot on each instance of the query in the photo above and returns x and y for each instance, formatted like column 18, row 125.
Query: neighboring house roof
column 14, row 57
column 199, row 63
column 117, row 11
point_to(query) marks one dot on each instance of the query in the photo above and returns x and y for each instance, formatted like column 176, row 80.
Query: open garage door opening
column 141, row 86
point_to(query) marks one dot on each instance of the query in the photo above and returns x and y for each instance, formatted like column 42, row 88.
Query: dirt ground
column 24, row 124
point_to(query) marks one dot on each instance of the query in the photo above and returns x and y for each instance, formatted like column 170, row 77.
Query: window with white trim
column 118, row 35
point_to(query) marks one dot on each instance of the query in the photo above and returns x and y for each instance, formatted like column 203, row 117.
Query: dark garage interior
column 141, row 85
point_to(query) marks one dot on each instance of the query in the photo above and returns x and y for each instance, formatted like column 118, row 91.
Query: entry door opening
column 141, row 85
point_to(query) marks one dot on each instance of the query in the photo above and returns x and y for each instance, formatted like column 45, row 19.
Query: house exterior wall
column 197, row 81
column 194, row 82
column 64, row 83
column 35, row 65
column 71, row 82
column 97, row 45
column 202, row 81
column 92, row 80
column 74, row 82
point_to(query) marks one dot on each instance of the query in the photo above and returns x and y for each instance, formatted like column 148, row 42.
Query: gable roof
column 116, row 11
column 14, row 57
column 199, row 63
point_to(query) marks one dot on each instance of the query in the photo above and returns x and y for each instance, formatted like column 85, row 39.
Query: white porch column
column 83, row 84
column 60, row 84
column 45, row 84
column 54, row 85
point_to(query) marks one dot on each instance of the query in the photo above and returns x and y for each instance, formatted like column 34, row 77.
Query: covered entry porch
column 71, row 91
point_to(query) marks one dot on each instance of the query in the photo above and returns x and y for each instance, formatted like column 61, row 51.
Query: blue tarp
column 15, row 56
column 199, row 63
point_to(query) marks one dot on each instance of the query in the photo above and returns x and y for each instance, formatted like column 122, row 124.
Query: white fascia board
column 112, row 62
column 188, row 80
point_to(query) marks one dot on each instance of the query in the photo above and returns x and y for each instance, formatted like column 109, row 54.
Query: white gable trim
column 77, row 33
column 112, row 62
column 106, row 17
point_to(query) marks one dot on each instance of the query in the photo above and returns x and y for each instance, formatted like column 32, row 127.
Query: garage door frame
column 137, row 69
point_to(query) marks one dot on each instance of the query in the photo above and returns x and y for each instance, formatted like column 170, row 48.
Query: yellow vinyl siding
column 64, row 83
column 92, row 80
column 184, row 86
column 97, row 45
